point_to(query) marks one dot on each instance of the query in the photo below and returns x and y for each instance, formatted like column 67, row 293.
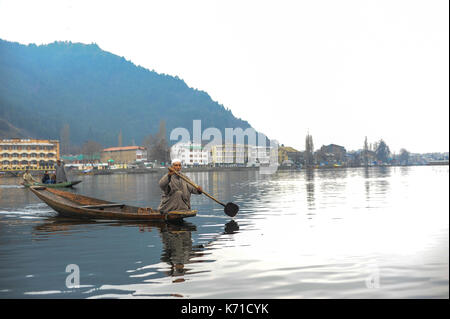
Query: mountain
column 97, row 94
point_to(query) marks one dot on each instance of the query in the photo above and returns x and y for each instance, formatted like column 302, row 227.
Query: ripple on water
column 30, row 211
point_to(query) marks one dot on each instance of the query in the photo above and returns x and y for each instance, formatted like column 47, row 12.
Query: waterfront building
column 239, row 154
column 124, row 155
column 190, row 153
column 223, row 154
column 264, row 154
column 287, row 153
column 217, row 154
column 229, row 154
column 81, row 159
column 331, row 154
column 33, row 154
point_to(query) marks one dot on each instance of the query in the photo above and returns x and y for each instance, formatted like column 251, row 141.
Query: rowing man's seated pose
column 176, row 193
column 28, row 178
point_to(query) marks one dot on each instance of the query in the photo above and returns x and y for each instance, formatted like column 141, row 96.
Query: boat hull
column 72, row 205
column 59, row 185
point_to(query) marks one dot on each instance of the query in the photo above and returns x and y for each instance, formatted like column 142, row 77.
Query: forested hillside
column 95, row 94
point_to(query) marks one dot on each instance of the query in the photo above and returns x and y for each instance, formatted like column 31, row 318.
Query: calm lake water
column 343, row 233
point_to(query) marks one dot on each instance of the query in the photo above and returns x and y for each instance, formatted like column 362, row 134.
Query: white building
column 240, row 154
column 263, row 153
column 190, row 154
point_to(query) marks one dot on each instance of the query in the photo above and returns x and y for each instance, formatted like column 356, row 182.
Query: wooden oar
column 231, row 209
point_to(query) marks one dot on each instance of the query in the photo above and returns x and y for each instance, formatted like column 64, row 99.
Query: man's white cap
column 176, row 160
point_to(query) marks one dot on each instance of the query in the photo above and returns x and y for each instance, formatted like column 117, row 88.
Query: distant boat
column 58, row 185
column 88, row 171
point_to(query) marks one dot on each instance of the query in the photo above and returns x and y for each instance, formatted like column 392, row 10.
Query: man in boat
column 176, row 194
column 60, row 172
column 46, row 178
column 28, row 178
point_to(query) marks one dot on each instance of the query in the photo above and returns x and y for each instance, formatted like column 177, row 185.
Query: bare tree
column 157, row 148
column 366, row 153
column 404, row 156
column 382, row 151
column 91, row 150
column 65, row 139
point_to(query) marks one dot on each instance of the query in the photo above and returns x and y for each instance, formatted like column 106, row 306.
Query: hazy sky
column 341, row 69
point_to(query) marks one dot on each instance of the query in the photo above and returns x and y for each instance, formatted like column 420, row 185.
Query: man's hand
column 200, row 189
column 171, row 171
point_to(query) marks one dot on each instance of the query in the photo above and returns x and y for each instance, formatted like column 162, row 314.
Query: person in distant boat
column 46, row 178
column 176, row 193
column 60, row 172
column 28, row 178
column 53, row 179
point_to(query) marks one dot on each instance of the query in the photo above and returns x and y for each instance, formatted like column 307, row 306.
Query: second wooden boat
column 58, row 185
column 72, row 205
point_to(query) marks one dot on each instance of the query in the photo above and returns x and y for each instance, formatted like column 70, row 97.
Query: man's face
column 177, row 166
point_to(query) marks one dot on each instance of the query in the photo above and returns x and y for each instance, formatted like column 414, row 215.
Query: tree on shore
column 404, row 156
column 64, row 136
column 309, row 150
column 91, row 150
column 366, row 153
column 157, row 148
column 382, row 151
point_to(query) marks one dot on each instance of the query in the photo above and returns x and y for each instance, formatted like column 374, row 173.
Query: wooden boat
column 72, row 205
column 58, row 185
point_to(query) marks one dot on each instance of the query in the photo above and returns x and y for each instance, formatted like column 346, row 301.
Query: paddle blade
column 231, row 209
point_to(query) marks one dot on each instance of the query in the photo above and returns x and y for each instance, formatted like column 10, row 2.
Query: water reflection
column 367, row 182
column 310, row 188
column 178, row 250
column 404, row 170
column 231, row 227
column 176, row 238
column 58, row 226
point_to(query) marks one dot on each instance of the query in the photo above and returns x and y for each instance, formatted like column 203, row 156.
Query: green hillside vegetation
column 97, row 94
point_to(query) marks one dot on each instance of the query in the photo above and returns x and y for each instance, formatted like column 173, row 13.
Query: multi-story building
column 240, row 154
column 331, row 154
column 190, row 153
column 264, row 154
column 220, row 154
column 224, row 153
column 124, row 155
column 21, row 154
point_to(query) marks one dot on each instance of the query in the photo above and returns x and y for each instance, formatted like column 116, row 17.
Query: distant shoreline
column 18, row 173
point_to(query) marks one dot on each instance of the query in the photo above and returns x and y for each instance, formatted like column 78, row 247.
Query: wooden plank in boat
column 102, row 206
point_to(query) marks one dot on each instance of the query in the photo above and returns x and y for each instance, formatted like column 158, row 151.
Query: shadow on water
column 176, row 238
